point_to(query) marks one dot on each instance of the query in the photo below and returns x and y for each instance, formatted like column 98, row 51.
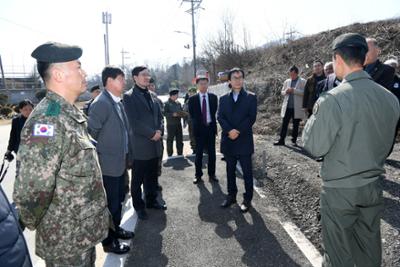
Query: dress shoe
column 228, row 202
column 116, row 247
column 123, row 234
column 142, row 214
column 245, row 206
column 212, row 178
column 156, row 206
column 279, row 143
column 197, row 180
column 320, row 159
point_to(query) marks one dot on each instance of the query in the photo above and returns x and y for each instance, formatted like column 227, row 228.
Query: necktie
column 120, row 108
column 204, row 110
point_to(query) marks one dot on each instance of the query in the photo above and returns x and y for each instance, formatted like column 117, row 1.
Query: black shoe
column 142, row 214
column 159, row 188
column 223, row 158
column 124, row 234
column 279, row 143
column 212, row 178
column 156, row 206
column 228, row 202
column 116, row 247
column 320, row 159
column 245, row 206
column 197, row 180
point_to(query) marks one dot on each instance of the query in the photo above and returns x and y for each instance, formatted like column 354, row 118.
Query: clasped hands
column 233, row 134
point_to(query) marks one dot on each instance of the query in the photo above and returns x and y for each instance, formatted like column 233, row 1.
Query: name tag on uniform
column 43, row 130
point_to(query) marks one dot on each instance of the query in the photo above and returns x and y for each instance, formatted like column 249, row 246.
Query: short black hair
column 24, row 103
column 94, row 88
column 294, row 68
column 318, row 61
column 110, row 72
column 137, row 70
column 352, row 55
column 43, row 69
column 235, row 70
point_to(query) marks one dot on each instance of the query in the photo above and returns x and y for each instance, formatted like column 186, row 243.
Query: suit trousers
column 206, row 139
column 350, row 220
column 289, row 115
column 247, row 168
column 144, row 172
column 115, row 192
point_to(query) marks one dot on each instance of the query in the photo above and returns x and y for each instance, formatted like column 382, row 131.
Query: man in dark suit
column 145, row 116
column 380, row 73
column 202, row 110
column 236, row 115
column 109, row 126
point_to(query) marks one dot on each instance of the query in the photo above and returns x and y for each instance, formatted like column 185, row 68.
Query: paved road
column 195, row 231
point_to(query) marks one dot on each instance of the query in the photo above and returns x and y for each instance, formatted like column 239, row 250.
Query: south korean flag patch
column 44, row 130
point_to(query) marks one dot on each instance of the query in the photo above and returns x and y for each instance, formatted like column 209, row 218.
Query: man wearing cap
column 202, row 109
column 188, row 120
column 173, row 113
column 145, row 118
column 352, row 127
column 94, row 91
column 59, row 190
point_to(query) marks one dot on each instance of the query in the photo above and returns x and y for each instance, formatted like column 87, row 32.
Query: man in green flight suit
column 353, row 128
column 173, row 112
column 59, row 190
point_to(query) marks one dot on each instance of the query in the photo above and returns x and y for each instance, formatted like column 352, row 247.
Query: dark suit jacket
column 106, row 126
column 17, row 124
column 145, row 120
column 240, row 116
column 196, row 115
column 383, row 74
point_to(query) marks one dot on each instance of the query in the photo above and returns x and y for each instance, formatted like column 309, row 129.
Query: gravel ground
column 292, row 175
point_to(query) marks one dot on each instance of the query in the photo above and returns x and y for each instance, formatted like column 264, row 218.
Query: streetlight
column 106, row 21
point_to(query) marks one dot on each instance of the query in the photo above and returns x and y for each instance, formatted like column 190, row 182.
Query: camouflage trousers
column 87, row 259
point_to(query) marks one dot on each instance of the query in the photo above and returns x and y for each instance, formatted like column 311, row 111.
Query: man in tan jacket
column 292, row 89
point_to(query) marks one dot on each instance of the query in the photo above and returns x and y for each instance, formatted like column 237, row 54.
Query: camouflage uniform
column 59, row 190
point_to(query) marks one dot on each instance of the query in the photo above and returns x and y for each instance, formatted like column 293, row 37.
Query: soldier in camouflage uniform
column 59, row 190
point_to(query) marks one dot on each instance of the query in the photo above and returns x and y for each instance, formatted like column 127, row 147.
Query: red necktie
column 204, row 110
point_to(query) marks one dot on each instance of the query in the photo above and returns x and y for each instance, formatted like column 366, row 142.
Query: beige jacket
column 298, row 98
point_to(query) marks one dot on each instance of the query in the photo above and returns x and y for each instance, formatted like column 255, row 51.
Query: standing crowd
column 72, row 170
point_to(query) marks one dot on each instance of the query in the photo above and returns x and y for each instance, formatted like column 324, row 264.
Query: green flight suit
column 353, row 128
column 174, row 126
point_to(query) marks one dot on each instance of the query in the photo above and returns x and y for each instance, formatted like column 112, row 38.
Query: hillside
column 267, row 75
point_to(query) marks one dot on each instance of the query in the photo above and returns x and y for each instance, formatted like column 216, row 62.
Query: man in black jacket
column 144, row 115
column 236, row 114
column 202, row 110
column 380, row 73
column 310, row 89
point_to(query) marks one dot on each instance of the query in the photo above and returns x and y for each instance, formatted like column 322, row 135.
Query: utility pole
column 195, row 5
column 2, row 74
column 106, row 21
column 123, row 56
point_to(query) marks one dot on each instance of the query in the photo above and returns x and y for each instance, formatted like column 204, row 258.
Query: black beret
column 52, row 52
column 137, row 70
column 350, row 40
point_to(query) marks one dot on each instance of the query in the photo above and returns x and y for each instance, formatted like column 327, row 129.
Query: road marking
column 308, row 249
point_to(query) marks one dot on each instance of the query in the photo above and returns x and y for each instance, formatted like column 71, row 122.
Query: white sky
column 145, row 28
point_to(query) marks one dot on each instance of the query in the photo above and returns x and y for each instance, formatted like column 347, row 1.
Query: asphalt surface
column 195, row 231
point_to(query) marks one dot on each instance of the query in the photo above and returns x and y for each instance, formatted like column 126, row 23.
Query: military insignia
column 44, row 130
column 315, row 109
column 53, row 109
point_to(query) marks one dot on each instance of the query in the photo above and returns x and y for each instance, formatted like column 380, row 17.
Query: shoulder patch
column 53, row 109
column 43, row 130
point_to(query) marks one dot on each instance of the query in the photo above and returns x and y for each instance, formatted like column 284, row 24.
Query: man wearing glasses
column 237, row 113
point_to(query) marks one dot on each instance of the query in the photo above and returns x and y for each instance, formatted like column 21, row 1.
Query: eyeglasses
column 237, row 78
